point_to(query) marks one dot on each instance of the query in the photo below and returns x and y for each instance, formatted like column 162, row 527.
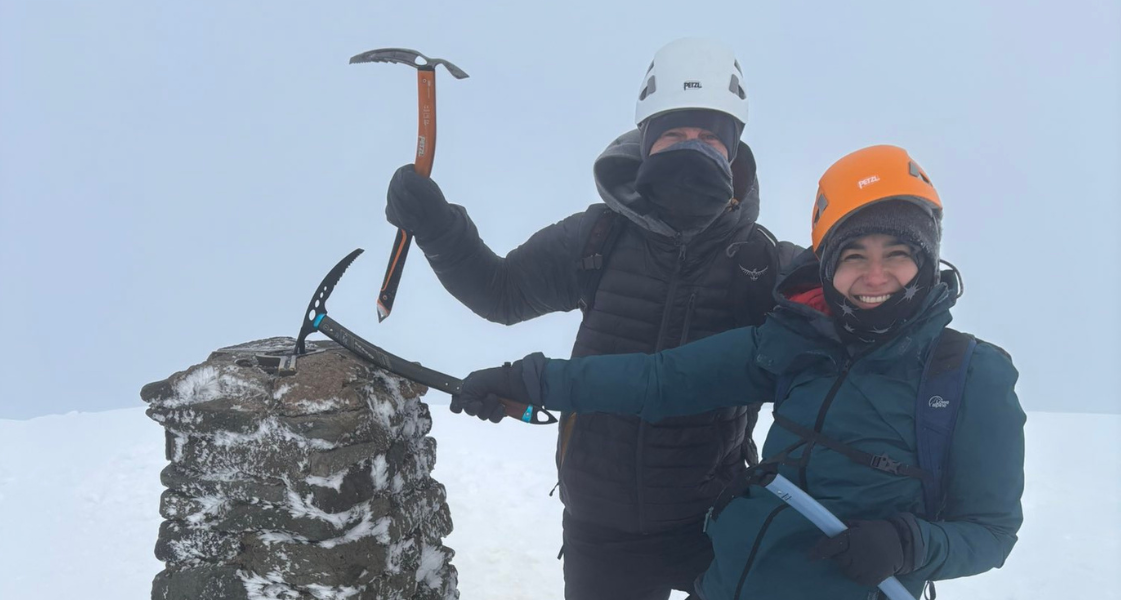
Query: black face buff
column 687, row 185
column 868, row 326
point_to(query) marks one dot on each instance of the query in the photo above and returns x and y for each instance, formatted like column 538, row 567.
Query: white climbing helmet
column 693, row 73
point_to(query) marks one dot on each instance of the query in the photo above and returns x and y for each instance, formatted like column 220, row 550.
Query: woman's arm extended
column 717, row 371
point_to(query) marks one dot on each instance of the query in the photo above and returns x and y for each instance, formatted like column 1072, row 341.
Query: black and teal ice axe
column 316, row 319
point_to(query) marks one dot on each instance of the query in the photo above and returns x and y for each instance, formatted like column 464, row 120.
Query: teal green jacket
column 760, row 545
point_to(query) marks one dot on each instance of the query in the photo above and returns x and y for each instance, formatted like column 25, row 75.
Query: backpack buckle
column 885, row 463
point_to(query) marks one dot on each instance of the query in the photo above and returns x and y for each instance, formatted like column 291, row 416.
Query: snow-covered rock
column 313, row 484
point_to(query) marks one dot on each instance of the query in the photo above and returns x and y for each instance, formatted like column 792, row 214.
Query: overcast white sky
column 177, row 177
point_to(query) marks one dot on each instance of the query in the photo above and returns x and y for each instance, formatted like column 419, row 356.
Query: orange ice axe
column 425, row 149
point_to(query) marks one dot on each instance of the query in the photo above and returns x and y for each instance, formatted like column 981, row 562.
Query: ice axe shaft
column 828, row 523
column 423, row 375
column 425, row 150
column 426, row 121
column 316, row 319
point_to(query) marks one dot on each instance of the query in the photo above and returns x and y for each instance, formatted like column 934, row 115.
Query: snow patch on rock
column 334, row 482
column 432, row 561
column 267, row 587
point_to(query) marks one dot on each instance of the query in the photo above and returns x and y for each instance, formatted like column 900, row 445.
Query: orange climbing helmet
column 865, row 177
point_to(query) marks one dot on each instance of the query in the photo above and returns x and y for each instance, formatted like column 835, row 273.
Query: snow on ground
column 79, row 509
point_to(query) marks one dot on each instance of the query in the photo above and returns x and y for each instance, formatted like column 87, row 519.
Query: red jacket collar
column 813, row 298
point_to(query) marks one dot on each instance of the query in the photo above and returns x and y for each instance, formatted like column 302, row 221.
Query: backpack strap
column 936, row 410
column 881, row 462
column 783, row 382
column 755, row 262
column 589, row 270
column 604, row 232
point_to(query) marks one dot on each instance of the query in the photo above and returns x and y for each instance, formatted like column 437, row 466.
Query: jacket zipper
column 669, row 299
column 688, row 320
column 639, row 465
column 755, row 548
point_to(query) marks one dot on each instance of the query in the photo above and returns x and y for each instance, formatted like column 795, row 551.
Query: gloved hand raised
column 870, row 551
column 482, row 389
column 416, row 204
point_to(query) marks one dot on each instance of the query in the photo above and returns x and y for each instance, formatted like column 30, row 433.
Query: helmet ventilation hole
column 917, row 172
column 735, row 87
column 819, row 207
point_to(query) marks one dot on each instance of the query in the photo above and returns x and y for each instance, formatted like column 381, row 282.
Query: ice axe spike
column 316, row 319
column 425, row 149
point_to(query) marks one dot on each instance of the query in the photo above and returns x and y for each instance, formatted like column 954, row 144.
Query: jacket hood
column 616, row 169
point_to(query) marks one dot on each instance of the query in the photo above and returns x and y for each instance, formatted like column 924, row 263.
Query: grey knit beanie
column 911, row 223
column 724, row 126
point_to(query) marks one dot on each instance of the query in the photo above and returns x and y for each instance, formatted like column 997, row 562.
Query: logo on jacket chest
column 754, row 274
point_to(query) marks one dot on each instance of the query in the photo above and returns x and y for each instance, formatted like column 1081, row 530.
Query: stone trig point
column 314, row 484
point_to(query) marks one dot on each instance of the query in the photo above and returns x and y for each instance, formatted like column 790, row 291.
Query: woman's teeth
column 873, row 299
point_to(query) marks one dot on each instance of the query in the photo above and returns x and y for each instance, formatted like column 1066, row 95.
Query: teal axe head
column 317, row 308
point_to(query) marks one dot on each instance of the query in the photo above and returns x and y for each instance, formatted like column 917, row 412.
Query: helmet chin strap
column 957, row 275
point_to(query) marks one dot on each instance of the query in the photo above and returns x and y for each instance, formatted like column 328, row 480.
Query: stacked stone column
column 290, row 486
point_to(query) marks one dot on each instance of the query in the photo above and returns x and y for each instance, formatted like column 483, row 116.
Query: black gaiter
column 686, row 185
column 857, row 325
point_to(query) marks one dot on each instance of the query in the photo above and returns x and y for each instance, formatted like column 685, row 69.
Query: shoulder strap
column 597, row 246
column 936, row 410
column 882, row 462
column 754, row 261
column 783, row 382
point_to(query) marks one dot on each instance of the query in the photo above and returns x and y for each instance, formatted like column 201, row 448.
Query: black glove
column 870, row 551
column 481, row 391
column 416, row 204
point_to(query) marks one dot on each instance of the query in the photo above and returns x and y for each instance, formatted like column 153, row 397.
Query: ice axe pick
column 425, row 149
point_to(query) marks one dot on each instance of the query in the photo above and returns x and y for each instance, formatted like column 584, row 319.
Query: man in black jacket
column 672, row 255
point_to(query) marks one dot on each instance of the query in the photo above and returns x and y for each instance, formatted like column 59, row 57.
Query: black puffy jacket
column 658, row 289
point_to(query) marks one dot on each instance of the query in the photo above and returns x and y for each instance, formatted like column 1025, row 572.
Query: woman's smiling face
column 872, row 268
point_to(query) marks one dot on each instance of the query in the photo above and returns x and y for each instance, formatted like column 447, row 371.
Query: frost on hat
column 724, row 126
column 904, row 219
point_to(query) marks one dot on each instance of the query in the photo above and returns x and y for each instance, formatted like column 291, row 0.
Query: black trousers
column 605, row 564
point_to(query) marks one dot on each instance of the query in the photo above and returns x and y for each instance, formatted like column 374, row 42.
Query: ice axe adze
column 425, row 149
column 316, row 319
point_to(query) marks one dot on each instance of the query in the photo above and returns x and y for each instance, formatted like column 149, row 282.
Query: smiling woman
column 877, row 230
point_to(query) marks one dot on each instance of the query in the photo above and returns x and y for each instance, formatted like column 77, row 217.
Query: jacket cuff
column 910, row 537
column 439, row 231
column 533, row 366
